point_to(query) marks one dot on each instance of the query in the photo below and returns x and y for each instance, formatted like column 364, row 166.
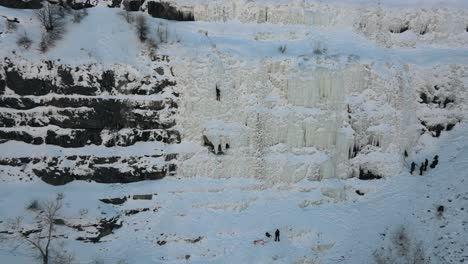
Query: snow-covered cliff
column 276, row 90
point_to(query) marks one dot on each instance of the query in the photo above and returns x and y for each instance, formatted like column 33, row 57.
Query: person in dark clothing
column 267, row 235
column 218, row 94
column 426, row 162
column 277, row 234
column 435, row 162
column 421, row 169
column 413, row 166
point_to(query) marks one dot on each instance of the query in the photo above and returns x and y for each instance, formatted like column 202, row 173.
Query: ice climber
column 277, row 234
column 425, row 164
column 421, row 169
column 218, row 94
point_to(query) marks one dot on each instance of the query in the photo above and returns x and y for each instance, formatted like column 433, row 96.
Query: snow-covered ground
column 311, row 93
column 320, row 222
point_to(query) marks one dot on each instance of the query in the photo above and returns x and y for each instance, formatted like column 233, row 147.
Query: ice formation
column 286, row 122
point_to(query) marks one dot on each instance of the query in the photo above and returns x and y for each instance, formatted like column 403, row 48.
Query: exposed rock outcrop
column 57, row 105
column 20, row 4
column 167, row 11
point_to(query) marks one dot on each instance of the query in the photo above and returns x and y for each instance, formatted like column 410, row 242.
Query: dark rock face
column 142, row 197
column 401, row 29
column 367, row 175
column 115, row 3
column 20, row 4
column 133, row 5
column 443, row 99
column 77, row 107
column 115, row 169
column 2, row 85
column 104, row 228
column 114, row 201
column 166, row 11
column 135, row 211
column 79, row 5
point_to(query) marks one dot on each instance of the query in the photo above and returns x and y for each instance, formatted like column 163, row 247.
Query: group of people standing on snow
column 423, row 166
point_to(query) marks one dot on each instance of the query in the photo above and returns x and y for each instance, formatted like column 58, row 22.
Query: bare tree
column 42, row 237
column 50, row 16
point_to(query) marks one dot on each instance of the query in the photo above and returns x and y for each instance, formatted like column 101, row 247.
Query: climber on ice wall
column 218, row 94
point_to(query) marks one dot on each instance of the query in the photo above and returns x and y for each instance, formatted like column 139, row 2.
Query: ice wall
column 280, row 121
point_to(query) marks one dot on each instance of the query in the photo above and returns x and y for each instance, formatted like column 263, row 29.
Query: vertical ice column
column 295, row 136
column 314, row 18
column 356, row 78
column 321, row 87
column 310, row 126
column 286, row 14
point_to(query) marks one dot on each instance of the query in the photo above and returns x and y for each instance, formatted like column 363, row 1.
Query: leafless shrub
column 61, row 256
column 44, row 44
column 79, row 15
column 142, row 27
column 128, row 16
column 33, row 205
column 48, row 39
column 50, row 16
column 152, row 47
column 402, row 248
column 282, row 48
column 83, row 211
column 11, row 26
column 320, row 51
column 42, row 238
column 24, row 41
column 319, row 48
